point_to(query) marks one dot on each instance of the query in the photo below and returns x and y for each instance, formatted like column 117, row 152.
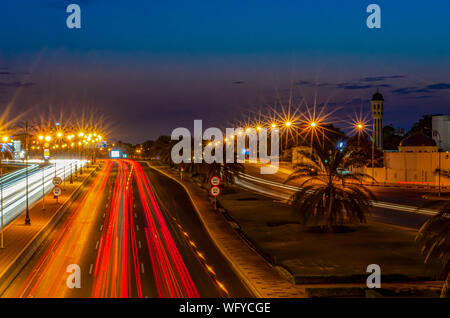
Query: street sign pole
column 214, row 191
column 43, row 190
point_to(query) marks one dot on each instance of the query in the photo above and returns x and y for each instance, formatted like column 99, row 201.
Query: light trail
column 14, row 191
column 171, row 275
column 283, row 196
column 117, row 259
column 48, row 277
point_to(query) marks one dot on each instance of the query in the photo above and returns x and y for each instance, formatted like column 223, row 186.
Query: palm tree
column 434, row 235
column 226, row 171
column 329, row 196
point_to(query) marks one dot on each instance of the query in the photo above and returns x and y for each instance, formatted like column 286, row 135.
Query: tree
column 326, row 200
column 390, row 139
column 434, row 236
column 360, row 151
column 226, row 171
column 423, row 126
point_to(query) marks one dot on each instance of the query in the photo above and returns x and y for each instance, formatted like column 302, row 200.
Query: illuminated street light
column 41, row 137
column 48, row 138
column 288, row 124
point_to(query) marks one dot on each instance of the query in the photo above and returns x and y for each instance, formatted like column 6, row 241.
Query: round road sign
column 56, row 191
column 57, row 181
column 215, row 181
column 215, row 191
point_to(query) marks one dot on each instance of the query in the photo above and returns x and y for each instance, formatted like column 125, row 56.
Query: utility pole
column 27, row 215
column 373, row 154
column 43, row 189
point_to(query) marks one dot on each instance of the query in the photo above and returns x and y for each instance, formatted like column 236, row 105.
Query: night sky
column 152, row 66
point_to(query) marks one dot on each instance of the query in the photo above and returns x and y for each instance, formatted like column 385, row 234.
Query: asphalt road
column 133, row 233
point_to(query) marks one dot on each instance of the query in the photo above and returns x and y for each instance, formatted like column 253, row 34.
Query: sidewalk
column 261, row 278
column 21, row 240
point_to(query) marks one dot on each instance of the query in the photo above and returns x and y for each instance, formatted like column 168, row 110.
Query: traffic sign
column 215, row 181
column 57, row 191
column 57, row 181
column 215, row 191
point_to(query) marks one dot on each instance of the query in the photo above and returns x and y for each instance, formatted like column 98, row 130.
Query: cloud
column 381, row 78
column 353, row 86
column 405, row 90
column 16, row 84
column 439, row 86
column 304, row 82
column 4, row 73
column 421, row 97
column 238, row 82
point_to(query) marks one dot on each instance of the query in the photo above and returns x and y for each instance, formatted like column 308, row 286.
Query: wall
column 412, row 168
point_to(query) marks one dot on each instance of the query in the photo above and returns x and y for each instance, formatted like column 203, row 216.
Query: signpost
column 56, row 192
column 57, row 181
column 181, row 173
column 215, row 181
column 215, row 190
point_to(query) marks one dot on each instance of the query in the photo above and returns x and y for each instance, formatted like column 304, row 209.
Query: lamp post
column 2, row 245
column 43, row 189
column 360, row 129
column 27, row 215
column 373, row 153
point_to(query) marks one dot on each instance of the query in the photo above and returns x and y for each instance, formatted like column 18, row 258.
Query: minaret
column 377, row 103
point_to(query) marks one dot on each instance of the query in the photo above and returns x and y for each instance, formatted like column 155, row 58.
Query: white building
column 441, row 131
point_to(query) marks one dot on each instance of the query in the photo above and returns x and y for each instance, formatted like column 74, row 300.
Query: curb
column 19, row 262
column 216, row 242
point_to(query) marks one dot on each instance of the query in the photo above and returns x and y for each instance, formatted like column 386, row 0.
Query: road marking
column 135, row 215
column 91, row 268
column 96, row 245
column 104, row 214
column 134, row 205
column 139, row 243
column 106, row 205
column 137, row 227
column 142, row 267
column 101, row 227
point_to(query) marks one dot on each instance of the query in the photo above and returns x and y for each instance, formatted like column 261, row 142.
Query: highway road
column 393, row 206
column 133, row 233
column 39, row 176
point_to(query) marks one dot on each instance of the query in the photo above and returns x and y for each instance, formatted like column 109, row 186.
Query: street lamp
column 5, row 139
column 359, row 128
column 27, row 215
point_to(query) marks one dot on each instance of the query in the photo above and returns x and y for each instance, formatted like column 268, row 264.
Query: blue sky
column 162, row 64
